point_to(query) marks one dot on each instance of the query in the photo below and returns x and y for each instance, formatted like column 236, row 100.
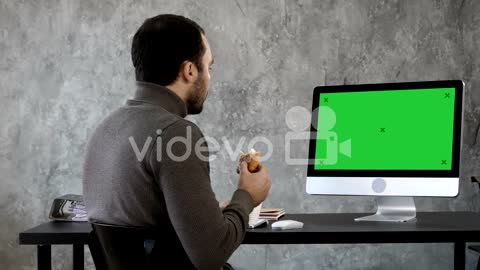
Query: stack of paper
column 272, row 213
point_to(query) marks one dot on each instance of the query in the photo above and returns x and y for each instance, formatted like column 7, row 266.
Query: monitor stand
column 392, row 209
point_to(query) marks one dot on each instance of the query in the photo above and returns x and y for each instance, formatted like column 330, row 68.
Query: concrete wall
column 64, row 65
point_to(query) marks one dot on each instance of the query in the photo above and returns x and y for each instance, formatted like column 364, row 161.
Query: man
column 133, row 176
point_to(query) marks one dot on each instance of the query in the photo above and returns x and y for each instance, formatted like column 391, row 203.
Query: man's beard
column 197, row 96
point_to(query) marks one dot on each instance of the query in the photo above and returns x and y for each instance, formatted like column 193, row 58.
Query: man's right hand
column 257, row 184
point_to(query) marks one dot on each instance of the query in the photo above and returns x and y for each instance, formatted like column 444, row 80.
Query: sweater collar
column 155, row 94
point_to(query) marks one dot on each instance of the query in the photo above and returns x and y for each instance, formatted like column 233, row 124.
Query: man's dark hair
column 162, row 44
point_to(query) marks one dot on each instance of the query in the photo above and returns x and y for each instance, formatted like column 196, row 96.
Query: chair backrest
column 96, row 251
column 115, row 247
column 122, row 248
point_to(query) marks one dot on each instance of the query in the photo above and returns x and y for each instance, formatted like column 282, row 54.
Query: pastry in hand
column 252, row 158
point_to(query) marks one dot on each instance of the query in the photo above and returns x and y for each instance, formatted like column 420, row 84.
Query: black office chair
column 121, row 248
column 133, row 248
column 96, row 252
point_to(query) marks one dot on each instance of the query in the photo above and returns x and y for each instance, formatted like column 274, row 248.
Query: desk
column 457, row 228
column 58, row 233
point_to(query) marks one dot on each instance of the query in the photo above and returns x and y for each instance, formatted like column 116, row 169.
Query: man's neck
column 178, row 90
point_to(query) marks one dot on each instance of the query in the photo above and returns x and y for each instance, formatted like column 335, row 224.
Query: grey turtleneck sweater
column 151, row 188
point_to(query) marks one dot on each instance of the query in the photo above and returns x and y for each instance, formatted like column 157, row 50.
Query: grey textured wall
column 64, row 65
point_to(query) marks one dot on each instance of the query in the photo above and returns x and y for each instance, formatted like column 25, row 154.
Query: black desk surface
column 57, row 233
column 429, row 227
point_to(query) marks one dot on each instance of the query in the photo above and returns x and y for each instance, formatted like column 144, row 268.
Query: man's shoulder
column 183, row 127
column 184, row 123
column 145, row 117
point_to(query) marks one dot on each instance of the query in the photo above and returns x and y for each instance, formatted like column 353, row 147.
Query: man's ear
column 188, row 72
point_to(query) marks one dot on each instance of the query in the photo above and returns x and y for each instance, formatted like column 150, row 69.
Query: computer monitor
column 394, row 141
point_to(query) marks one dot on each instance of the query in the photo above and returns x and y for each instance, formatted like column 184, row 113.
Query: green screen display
column 385, row 130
